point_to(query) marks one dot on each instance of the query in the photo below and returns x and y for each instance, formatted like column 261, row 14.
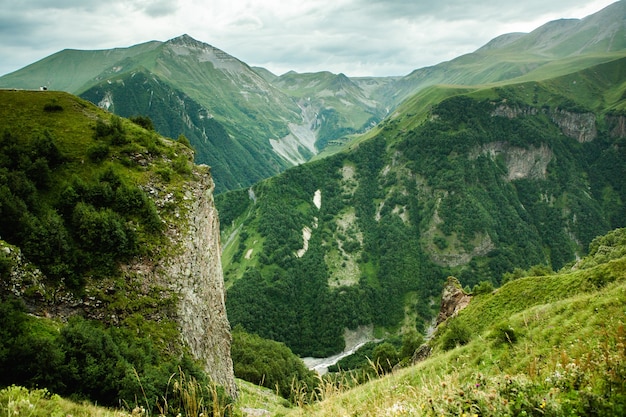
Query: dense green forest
column 270, row 364
column 420, row 199
column 288, row 298
column 85, row 360
column 515, row 214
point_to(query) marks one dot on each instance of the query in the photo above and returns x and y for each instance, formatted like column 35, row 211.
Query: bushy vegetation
column 72, row 216
column 456, row 334
column 269, row 364
column 86, row 227
column 85, row 360
column 16, row 400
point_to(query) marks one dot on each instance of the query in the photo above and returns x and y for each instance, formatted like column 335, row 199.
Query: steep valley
column 490, row 181
column 318, row 216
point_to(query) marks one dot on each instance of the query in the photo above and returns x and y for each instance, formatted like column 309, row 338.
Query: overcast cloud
column 355, row 37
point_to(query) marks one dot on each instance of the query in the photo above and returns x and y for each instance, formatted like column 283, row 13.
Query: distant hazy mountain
column 244, row 127
column 556, row 48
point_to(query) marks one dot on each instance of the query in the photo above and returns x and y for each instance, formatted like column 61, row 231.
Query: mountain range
column 240, row 124
column 249, row 124
column 344, row 203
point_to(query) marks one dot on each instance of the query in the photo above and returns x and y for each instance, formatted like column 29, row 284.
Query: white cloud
column 356, row 37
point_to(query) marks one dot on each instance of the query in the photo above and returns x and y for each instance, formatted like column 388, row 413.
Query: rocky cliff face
column 180, row 281
column 531, row 162
column 196, row 275
column 511, row 112
column 453, row 300
column 579, row 126
column 191, row 272
column 617, row 126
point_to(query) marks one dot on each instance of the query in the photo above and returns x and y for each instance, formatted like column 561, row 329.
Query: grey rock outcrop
column 453, row 300
column 511, row 112
column 191, row 271
column 196, row 274
column 617, row 126
column 422, row 353
column 579, row 126
column 531, row 162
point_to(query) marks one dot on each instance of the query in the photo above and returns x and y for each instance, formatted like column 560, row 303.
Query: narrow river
column 354, row 340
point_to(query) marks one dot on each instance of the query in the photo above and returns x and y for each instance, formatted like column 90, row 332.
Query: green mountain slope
column 174, row 113
column 601, row 32
column 90, row 204
column 71, row 70
column 228, row 112
column 475, row 185
column 341, row 105
column 540, row 345
column 556, row 48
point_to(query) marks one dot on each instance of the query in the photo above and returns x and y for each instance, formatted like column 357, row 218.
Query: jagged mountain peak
column 190, row 43
column 185, row 45
column 342, row 80
column 184, row 38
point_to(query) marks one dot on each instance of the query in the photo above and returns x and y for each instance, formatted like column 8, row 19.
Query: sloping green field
column 546, row 345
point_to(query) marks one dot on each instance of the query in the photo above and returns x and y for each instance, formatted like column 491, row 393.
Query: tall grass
column 545, row 346
column 185, row 396
column 19, row 401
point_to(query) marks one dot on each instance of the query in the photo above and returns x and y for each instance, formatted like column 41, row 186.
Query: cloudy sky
column 356, row 37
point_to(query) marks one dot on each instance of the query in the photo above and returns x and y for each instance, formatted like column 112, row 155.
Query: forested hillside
column 475, row 186
column 90, row 204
